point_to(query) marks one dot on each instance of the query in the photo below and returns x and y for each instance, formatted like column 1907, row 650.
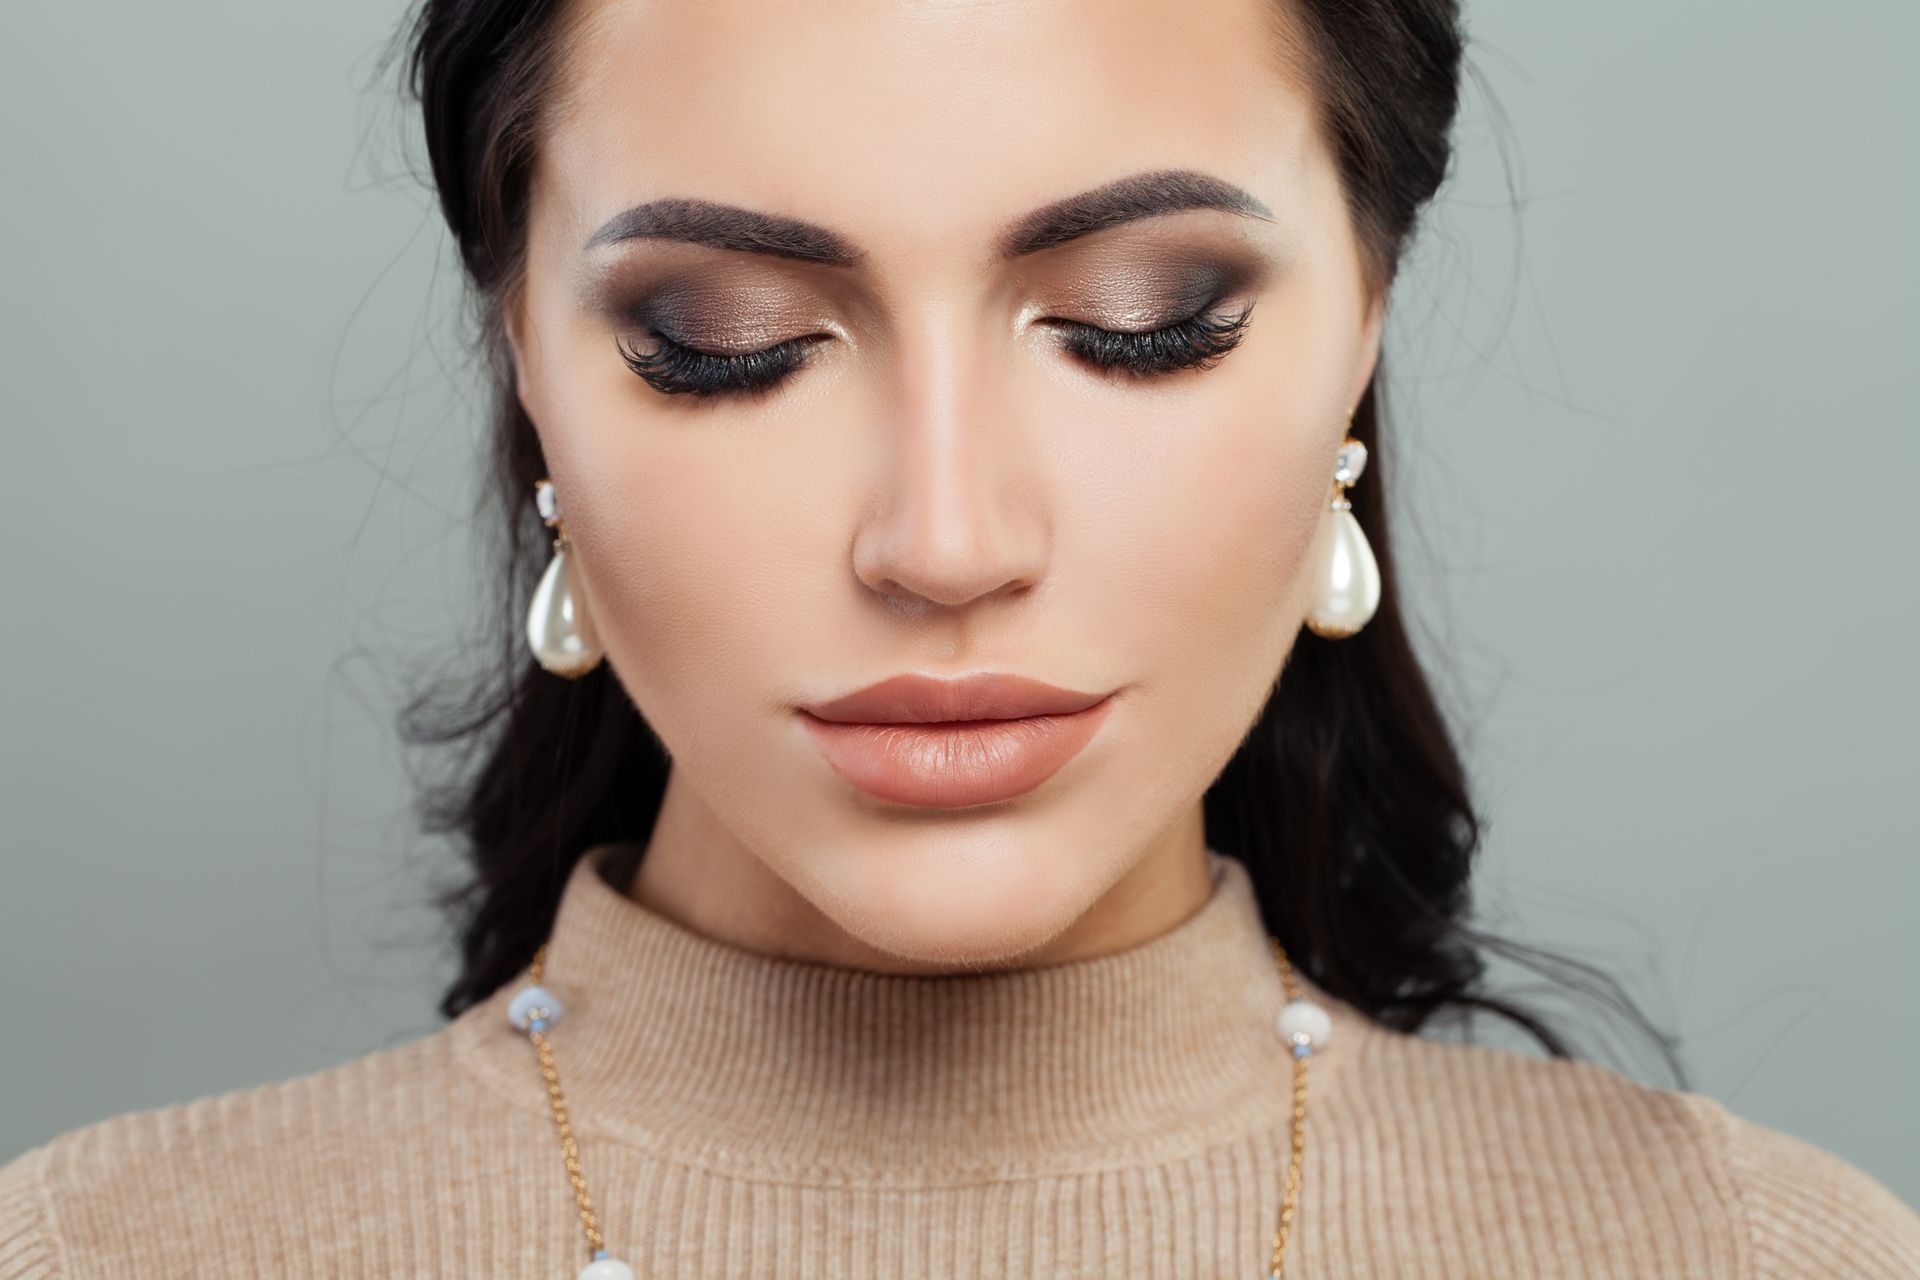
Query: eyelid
column 1162, row 318
column 693, row 347
column 721, row 312
column 1157, row 323
column 1143, row 298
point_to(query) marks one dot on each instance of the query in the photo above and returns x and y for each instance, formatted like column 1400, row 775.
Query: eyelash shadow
column 1198, row 342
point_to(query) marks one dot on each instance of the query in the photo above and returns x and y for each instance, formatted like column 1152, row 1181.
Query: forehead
column 916, row 119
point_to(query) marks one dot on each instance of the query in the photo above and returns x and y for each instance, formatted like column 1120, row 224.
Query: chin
column 951, row 898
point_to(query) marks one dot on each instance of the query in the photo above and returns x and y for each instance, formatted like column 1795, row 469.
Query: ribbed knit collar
column 784, row 1069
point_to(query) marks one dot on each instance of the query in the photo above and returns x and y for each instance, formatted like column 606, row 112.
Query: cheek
column 1195, row 569
column 702, row 564
column 1210, row 570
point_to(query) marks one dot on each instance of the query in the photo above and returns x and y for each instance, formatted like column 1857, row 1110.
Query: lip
column 949, row 743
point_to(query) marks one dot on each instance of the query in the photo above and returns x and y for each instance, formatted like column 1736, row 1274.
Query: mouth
column 917, row 740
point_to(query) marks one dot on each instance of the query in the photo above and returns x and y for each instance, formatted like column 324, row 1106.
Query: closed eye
column 678, row 369
column 1198, row 342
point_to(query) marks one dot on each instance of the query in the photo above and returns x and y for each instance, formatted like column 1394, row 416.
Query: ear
column 514, row 322
column 1369, row 356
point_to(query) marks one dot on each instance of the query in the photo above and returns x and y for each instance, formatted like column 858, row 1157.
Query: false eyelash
column 1198, row 342
column 677, row 369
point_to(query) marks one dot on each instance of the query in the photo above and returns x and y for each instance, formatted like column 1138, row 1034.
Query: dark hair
column 1347, row 800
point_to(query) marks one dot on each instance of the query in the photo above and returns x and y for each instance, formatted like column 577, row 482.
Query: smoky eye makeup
column 711, row 332
column 1131, row 309
column 1152, row 288
column 724, row 317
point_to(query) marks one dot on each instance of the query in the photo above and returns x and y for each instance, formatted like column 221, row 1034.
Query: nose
column 959, row 512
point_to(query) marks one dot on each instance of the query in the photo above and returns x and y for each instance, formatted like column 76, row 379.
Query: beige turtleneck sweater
column 739, row 1115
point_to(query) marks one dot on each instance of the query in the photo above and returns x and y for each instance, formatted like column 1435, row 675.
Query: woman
column 973, row 809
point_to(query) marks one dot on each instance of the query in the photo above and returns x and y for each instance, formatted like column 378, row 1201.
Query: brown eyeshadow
column 719, row 314
column 1131, row 282
column 1144, row 286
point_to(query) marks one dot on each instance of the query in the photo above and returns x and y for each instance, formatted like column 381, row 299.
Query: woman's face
column 946, row 480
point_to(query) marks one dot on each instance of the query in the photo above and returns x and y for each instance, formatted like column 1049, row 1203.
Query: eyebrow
column 724, row 226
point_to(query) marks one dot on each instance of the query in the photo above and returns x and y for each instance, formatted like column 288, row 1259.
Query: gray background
column 1654, row 431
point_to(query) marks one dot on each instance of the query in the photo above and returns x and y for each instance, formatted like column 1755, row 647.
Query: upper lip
column 991, row 695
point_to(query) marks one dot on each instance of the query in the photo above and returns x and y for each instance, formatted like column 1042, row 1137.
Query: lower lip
column 955, row 763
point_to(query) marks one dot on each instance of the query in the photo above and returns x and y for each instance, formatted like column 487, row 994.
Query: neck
column 775, row 1067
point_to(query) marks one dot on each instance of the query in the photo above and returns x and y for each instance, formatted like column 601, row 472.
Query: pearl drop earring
column 1349, row 589
column 562, row 635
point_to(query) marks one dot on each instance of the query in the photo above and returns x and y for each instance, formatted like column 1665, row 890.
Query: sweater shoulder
column 1576, row 1148
column 1807, row 1210
column 28, row 1248
column 205, row 1165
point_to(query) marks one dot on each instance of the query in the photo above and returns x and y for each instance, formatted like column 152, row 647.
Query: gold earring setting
column 1349, row 587
column 561, row 634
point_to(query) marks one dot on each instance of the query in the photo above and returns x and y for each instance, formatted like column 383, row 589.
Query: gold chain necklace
column 1303, row 1026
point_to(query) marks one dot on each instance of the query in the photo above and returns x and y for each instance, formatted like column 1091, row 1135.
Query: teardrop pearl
column 607, row 1269
column 561, row 633
column 1349, row 587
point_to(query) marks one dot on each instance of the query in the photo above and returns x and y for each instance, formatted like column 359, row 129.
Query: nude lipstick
column 948, row 743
